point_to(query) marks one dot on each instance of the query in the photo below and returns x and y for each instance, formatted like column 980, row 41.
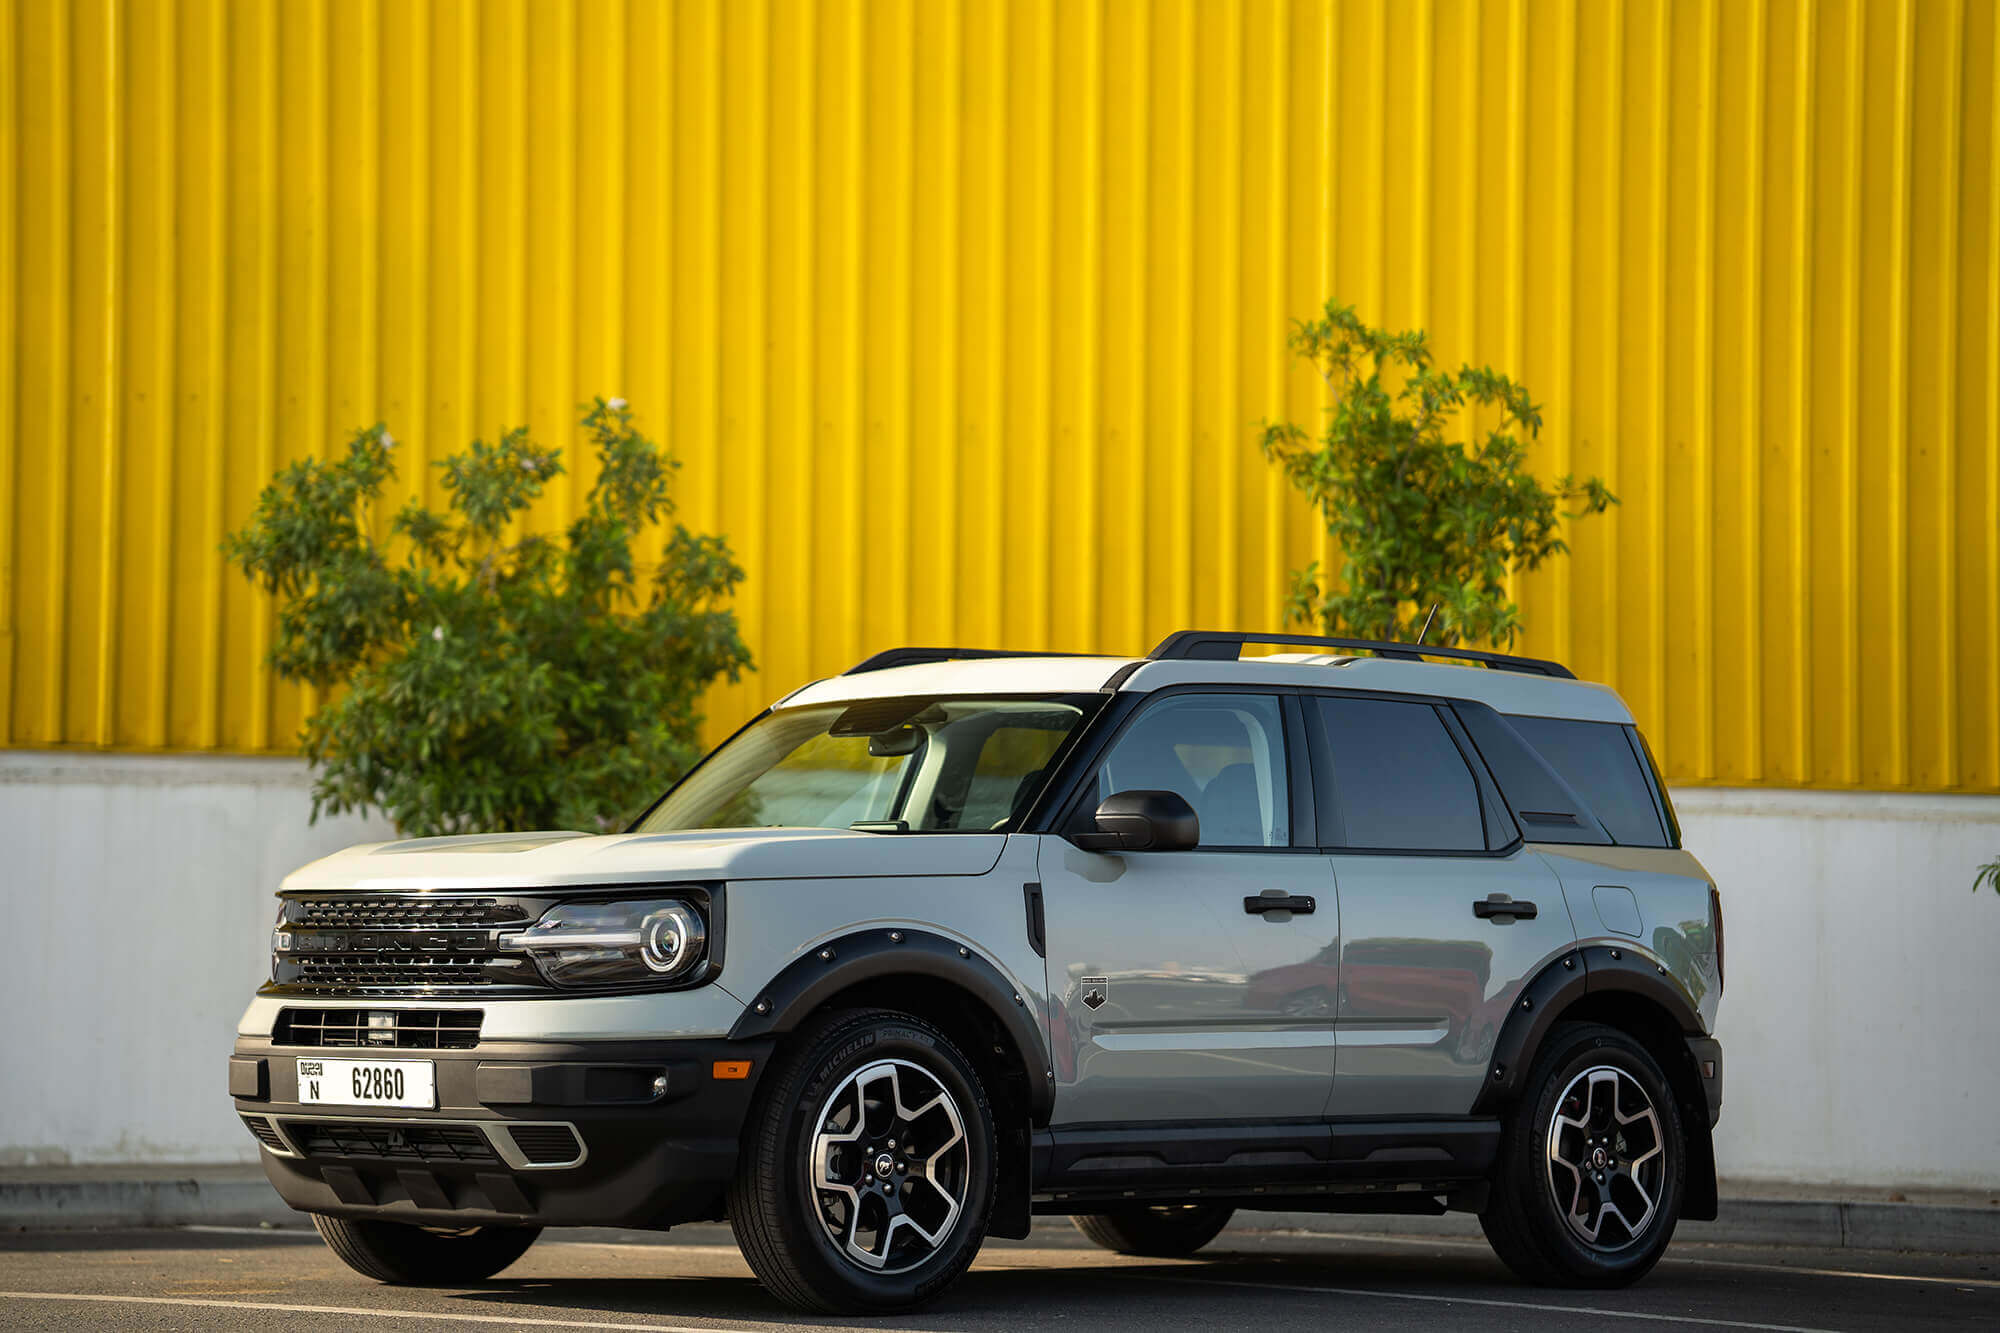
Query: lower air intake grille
column 547, row 1145
column 266, row 1135
column 414, row 1029
column 391, row 1143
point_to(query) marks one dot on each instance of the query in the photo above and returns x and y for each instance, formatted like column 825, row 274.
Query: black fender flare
column 1591, row 970
column 812, row 978
column 1597, row 969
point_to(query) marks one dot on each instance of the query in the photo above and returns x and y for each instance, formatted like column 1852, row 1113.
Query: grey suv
column 958, row 938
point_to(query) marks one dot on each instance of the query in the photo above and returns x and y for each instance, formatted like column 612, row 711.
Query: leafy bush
column 483, row 677
column 1420, row 518
column 1988, row 877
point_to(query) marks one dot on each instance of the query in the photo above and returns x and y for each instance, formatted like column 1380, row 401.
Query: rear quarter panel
column 1674, row 924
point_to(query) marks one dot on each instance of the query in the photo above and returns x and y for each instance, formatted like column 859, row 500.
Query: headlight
column 615, row 943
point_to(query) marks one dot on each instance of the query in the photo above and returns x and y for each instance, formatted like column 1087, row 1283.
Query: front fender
column 811, row 979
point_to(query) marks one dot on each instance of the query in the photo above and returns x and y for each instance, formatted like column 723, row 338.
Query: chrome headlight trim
column 601, row 943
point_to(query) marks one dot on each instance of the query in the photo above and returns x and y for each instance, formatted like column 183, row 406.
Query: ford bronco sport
column 958, row 938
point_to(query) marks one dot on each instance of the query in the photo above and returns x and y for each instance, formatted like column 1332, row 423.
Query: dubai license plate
column 368, row 1083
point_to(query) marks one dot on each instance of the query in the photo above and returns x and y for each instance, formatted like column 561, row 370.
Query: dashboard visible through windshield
column 905, row 765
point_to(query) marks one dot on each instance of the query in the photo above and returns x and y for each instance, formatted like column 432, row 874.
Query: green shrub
column 1419, row 518
column 481, row 677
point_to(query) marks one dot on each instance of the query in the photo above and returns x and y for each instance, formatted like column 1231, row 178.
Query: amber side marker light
column 732, row 1069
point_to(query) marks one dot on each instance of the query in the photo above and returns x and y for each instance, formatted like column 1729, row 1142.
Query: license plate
column 368, row 1083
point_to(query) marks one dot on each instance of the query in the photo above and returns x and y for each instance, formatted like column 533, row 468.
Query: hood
column 556, row 859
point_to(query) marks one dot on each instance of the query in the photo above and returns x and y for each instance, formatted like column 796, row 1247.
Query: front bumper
column 524, row 1133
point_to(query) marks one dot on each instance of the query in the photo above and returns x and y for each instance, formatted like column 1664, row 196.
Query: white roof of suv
column 1506, row 691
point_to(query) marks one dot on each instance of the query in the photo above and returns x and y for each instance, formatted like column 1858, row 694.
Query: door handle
column 1297, row 904
column 1486, row 908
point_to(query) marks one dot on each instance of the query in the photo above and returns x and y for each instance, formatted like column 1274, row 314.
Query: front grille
column 396, row 972
column 547, row 1145
column 403, row 943
column 391, row 1143
column 377, row 911
column 415, row 1029
column 261, row 1127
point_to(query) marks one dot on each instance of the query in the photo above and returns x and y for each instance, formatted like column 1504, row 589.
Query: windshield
column 886, row 765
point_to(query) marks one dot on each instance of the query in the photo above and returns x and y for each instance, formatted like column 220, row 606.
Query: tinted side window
column 1547, row 809
column 1224, row 752
column 1398, row 778
column 1596, row 757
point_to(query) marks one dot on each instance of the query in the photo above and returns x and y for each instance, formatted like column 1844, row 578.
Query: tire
column 1157, row 1233
column 852, row 1091
column 418, row 1256
column 1547, row 1201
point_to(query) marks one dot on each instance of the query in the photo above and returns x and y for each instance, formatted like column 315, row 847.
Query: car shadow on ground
column 1008, row 1294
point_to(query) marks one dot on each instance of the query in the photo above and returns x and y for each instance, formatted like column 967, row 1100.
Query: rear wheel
column 1593, row 1164
column 1168, row 1232
column 868, row 1166
column 423, row 1256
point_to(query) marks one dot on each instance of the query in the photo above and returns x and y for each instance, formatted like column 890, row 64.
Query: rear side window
column 1598, row 758
column 1399, row 781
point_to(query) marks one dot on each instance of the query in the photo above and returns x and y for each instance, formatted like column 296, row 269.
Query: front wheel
column 1593, row 1164
column 868, row 1166
column 423, row 1256
column 1170, row 1232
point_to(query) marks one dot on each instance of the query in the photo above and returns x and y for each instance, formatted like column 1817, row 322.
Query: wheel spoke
column 890, row 1144
column 1607, row 1158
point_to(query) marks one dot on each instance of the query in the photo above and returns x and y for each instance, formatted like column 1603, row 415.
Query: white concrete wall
column 136, row 908
column 1860, row 1022
column 1860, row 1018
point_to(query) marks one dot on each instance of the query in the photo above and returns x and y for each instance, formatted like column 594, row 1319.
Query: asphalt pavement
column 251, row 1278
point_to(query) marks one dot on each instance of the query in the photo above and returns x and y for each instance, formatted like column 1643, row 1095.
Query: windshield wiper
column 880, row 826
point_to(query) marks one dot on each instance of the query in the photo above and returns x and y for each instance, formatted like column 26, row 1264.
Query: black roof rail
column 1226, row 645
column 895, row 657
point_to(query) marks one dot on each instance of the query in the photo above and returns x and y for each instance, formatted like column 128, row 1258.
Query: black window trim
column 1670, row 824
column 1492, row 801
column 1483, row 784
column 1580, row 809
column 1069, row 807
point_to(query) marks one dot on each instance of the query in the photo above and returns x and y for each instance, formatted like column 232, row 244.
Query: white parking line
column 1597, row 1312
column 1450, row 1242
column 372, row 1312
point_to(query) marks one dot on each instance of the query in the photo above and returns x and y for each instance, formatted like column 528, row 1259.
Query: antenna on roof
column 1425, row 633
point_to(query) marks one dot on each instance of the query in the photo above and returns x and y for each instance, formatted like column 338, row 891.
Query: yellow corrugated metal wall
column 960, row 315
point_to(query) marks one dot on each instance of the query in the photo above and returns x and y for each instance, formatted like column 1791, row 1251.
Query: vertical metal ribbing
column 1854, row 82
column 1804, row 182
column 1749, row 760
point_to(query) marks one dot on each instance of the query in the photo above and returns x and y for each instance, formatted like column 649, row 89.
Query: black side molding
column 1169, row 1159
column 1037, row 925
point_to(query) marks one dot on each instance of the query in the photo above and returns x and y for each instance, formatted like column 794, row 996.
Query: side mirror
column 1142, row 821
